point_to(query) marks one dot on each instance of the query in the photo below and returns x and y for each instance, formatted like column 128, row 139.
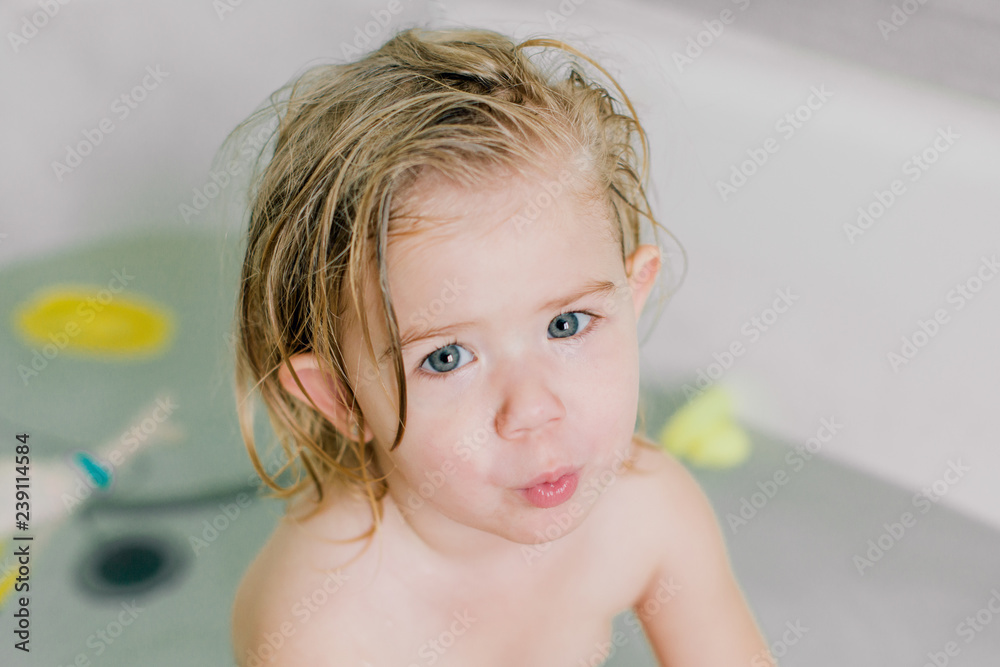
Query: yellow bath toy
column 94, row 321
column 7, row 577
column 704, row 432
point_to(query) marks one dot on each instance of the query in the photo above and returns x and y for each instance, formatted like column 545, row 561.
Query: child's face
column 531, row 385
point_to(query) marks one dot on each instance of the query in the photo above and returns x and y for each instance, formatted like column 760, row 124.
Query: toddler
column 438, row 306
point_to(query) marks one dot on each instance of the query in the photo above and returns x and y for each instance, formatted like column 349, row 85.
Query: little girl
column 438, row 305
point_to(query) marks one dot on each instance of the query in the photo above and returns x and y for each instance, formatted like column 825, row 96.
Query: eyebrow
column 592, row 288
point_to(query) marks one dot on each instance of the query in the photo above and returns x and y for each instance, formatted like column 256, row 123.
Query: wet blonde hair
column 352, row 140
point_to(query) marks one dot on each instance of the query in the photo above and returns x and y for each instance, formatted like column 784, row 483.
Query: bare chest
column 554, row 609
column 563, row 621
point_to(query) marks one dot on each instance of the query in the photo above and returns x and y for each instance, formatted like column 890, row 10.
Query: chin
column 542, row 526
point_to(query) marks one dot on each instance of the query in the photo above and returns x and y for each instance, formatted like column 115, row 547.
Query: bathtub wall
column 150, row 91
column 950, row 43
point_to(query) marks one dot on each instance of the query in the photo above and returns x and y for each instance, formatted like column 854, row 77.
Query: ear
column 326, row 392
column 642, row 267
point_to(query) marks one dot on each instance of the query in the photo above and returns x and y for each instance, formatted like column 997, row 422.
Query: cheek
column 448, row 469
column 607, row 395
column 381, row 417
column 379, row 405
column 606, row 379
column 457, row 488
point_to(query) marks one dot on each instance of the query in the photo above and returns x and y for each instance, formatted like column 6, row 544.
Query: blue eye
column 567, row 324
column 442, row 361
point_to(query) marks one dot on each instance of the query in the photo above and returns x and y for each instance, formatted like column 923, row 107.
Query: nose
column 529, row 405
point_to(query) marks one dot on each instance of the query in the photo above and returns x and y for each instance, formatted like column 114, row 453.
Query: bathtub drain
column 129, row 565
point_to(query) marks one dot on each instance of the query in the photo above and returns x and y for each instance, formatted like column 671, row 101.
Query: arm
column 282, row 630
column 692, row 609
column 287, row 612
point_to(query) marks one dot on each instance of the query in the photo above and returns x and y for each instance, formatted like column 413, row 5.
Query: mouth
column 553, row 488
column 551, row 476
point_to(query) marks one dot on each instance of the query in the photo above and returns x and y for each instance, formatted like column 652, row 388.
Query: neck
column 447, row 542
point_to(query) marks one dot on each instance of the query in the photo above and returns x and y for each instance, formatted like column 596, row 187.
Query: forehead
column 515, row 236
column 435, row 211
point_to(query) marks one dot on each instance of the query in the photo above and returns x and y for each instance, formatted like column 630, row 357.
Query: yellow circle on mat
column 95, row 320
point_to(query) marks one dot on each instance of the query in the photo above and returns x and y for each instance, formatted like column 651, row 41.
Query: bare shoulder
column 669, row 490
column 668, row 515
column 660, row 489
column 645, row 511
column 691, row 605
column 294, row 601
